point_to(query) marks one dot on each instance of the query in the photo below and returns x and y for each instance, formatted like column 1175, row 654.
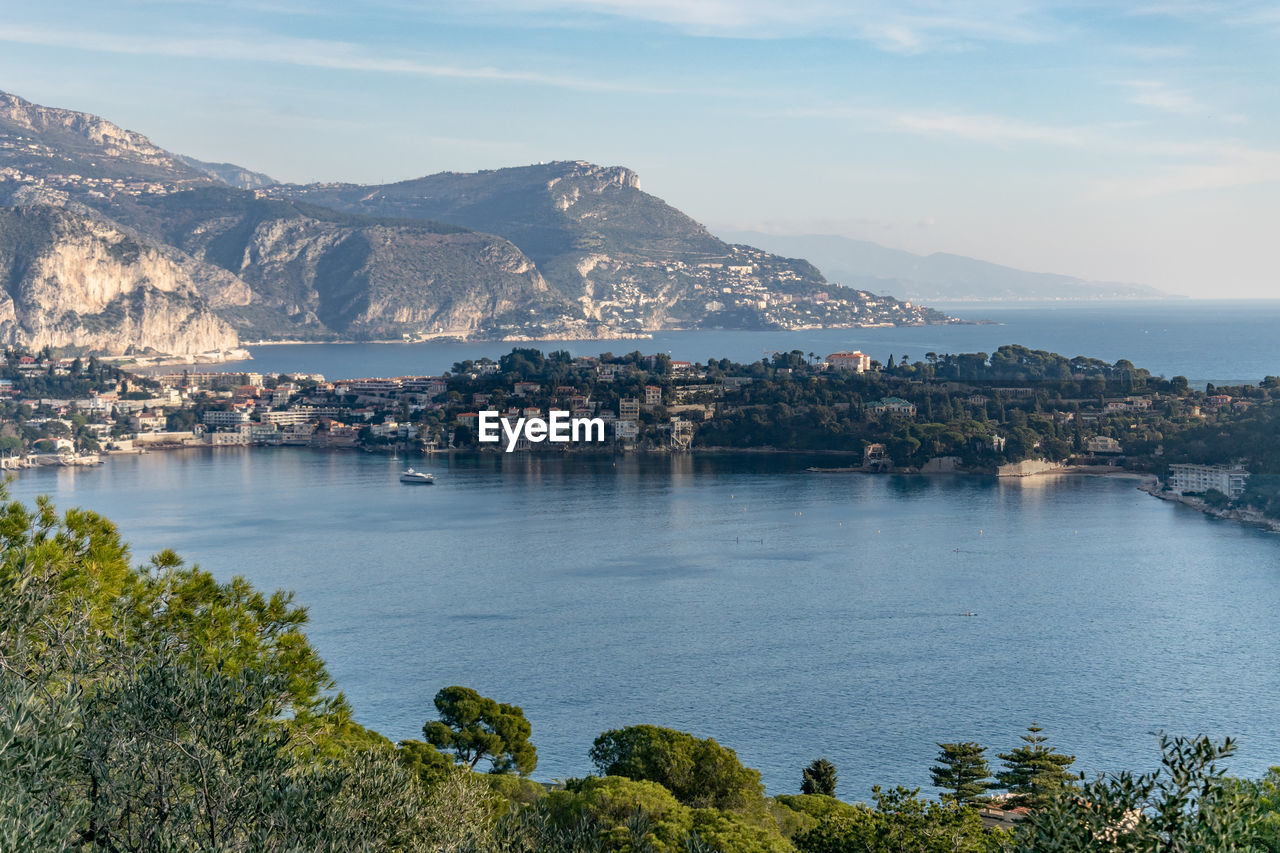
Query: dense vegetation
column 78, row 380
column 983, row 410
column 154, row 708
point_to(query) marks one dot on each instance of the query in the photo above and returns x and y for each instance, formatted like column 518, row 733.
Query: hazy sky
column 1135, row 142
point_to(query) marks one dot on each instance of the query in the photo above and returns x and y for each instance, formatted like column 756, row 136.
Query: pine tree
column 819, row 778
column 1034, row 772
column 962, row 772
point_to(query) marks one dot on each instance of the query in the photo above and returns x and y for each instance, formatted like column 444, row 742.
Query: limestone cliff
column 293, row 270
column 74, row 281
column 75, row 147
column 620, row 255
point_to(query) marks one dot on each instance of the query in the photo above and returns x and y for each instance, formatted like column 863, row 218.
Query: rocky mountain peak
column 111, row 138
column 600, row 176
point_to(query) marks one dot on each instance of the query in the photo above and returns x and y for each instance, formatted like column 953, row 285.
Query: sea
column 1223, row 342
column 788, row 614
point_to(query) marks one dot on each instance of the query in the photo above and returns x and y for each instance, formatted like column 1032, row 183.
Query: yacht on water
column 412, row 476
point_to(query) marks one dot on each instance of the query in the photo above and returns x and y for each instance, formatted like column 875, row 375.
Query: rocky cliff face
column 74, row 281
column 620, row 255
column 310, row 272
column 114, row 141
column 73, row 147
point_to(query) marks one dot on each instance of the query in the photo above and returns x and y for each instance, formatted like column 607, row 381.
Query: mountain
column 626, row 257
column 937, row 277
column 230, row 174
column 269, row 270
column 82, row 152
column 566, row 249
column 316, row 273
column 74, row 281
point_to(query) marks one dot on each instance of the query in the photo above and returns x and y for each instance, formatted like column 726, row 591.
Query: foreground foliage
column 158, row 710
column 1187, row 804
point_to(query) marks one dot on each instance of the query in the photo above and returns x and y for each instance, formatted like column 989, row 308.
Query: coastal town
column 999, row 415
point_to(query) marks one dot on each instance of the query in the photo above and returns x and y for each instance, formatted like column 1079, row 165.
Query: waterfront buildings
column 1198, row 479
column 234, row 417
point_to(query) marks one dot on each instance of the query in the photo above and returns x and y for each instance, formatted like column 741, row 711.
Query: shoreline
column 1147, row 483
column 240, row 352
column 1251, row 518
column 458, row 339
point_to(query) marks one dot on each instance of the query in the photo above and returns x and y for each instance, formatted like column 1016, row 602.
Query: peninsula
column 1014, row 412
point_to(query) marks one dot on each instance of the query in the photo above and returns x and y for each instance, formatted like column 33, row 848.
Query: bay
column 790, row 615
column 1223, row 342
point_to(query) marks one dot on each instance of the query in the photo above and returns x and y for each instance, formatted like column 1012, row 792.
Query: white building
column 1102, row 444
column 856, row 361
column 235, row 417
column 285, row 418
column 1198, row 479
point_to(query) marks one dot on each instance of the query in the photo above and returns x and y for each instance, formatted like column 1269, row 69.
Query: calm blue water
column 788, row 614
column 1219, row 342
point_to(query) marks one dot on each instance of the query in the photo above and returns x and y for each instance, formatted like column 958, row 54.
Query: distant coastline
column 460, row 339
column 1244, row 516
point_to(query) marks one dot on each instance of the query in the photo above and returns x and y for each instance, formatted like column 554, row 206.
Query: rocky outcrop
column 49, row 141
column 617, row 253
column 114, row 141
column 74, row 281
column 280, row 269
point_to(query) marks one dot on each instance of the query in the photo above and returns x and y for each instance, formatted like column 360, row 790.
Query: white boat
column 412, row 476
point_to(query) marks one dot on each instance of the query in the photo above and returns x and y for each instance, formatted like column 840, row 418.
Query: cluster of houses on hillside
column 652, row 402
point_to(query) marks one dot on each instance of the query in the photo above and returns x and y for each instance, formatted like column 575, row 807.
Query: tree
column 699, row 772
column 180, row 420
column 424, row 761
column 475, row 727
column 1187, row 804
column 819, row 778
column 962, row 772
column 901, row 821
column 153, row 709
column 1216, row 499
column 1035, row 773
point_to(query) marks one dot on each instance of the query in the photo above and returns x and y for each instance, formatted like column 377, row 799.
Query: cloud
column 1168, row 166
column 1158, row 96
column 972, row 127
column 998, row 130
column 1151, row 52
column 1234, row 166
column 904, row 26
column 309, row 53
column 1161, row 97
column 1236, row 13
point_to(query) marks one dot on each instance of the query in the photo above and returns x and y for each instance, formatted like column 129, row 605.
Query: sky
column 1116, row 141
